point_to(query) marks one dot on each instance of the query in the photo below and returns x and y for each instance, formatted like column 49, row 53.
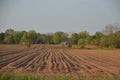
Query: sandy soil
column 51, row 60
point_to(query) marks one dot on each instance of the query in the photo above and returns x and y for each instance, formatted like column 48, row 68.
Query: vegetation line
column 108, row 38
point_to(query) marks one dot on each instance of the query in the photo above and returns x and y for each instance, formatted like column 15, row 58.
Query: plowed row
column 51, row 60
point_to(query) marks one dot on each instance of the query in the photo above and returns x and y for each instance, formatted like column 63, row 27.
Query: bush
column 82, row 43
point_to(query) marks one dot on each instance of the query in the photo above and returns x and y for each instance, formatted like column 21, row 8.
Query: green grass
column 33, row 77
column 109, row 78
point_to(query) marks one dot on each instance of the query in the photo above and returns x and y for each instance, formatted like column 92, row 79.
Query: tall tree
column 26, row 39
column 9, row 31
column 98, row 37
column 17, row 36
column 112, row 35
column 82, row 43
column 83, row 34
column 109, row 29
column 9, row 39
column 33, row 36
column 49, row 38
column 58, row 37
column 117, row 39
column 74, row 38
column 2, row 36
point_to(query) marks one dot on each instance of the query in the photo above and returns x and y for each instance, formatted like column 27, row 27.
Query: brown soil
column 52, row 60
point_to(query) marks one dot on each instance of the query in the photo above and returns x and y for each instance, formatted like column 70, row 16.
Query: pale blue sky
column 58, row 15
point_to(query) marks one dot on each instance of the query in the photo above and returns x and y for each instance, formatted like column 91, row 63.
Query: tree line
column 109, row 37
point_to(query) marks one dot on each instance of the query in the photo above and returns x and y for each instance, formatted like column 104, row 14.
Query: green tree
column 83, row 34
column 39, row 39
column 32, row 35
column 82, row 43
column 109, row 29
column 43, row 38
column 98, row 37
column 99, row 34
column 26, row 39
column 91, row 40
column 69, row 43
column 104, row 42
column 58, row 37
column 74, row 38
column 111, row 33
column 49, row 38
column 17, row 36
column 9, row 31
column 117, row 39
column 2, row 36
column 114, row 40
column 9, row 39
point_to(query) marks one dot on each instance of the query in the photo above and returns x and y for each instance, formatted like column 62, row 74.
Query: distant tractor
column 64, row 43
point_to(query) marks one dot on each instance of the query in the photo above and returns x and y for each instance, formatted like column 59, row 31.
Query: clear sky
column 58, row 15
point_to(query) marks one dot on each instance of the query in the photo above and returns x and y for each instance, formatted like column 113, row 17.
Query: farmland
column 50, row 60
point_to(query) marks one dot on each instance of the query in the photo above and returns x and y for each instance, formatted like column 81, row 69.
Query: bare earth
column 51, row 60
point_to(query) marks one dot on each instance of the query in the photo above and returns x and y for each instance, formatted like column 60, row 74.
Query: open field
column 51, row 60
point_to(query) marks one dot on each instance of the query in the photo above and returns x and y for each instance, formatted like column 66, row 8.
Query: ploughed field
column 50, row 60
